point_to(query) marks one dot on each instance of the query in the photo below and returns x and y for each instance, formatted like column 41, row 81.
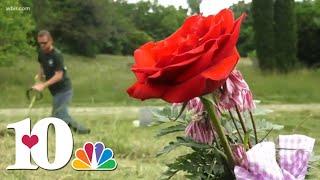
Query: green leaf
column 261, row 111
column 171, row 129
column 182, row 141
column 189, row 142
column 184, row 105
column 264, row 125
column 169, row 114
column 168, row 148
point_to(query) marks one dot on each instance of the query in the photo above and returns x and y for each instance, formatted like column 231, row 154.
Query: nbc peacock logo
column 94, row 157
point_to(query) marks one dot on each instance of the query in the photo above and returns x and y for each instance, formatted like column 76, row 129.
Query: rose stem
column 216, row 102
column 224, row 142
column 214, row 136
column 242, row 124
column 234, row 122
column 254, row 127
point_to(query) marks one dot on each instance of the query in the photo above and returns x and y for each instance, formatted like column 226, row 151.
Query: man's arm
column 58, row 75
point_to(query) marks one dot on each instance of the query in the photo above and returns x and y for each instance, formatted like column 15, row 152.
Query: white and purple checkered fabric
column 293, row 157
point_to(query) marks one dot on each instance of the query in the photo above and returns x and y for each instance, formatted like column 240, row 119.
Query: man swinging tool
column 53, row 75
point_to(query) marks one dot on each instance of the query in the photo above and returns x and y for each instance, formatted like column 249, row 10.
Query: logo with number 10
column 33, row 143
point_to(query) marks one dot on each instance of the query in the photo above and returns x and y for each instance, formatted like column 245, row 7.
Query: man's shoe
column 78, row 128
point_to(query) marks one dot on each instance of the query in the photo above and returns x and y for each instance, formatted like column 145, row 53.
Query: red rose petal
column 143, row 56
column 190, row 54
column 222, row 68
column 184, row 30
column 213, row 32
column 226, row 15
column 228, row 44
column 201, row 64
column 164, row 51
column 189, row 89
column 183, row 92
column 170, row 72
column 145, row 91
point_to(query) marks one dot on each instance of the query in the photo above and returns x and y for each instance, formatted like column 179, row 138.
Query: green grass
column 134, row 147
column 97, row 82
column 300, row 86
column 103, row 82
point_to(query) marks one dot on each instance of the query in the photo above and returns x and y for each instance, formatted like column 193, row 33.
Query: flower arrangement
column 194, row 69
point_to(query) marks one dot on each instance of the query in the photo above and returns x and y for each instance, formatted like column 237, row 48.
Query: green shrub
column 14, row 32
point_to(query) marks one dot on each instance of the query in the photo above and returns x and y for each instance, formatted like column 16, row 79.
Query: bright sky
column 207, row 7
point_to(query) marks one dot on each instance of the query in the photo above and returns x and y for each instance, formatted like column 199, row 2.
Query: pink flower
column 196, row 106
column 200, row 130
column 236, row 92
column 240, row 156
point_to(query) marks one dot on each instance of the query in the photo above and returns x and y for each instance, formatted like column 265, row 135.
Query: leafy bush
column 14, row 32
column 308, row 22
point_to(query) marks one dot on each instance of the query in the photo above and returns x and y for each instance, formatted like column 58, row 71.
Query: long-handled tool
column 33, row 96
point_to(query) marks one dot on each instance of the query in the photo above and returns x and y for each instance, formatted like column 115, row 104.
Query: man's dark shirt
column 51, row 62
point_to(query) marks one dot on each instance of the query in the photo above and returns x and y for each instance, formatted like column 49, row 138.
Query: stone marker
column 145, row 116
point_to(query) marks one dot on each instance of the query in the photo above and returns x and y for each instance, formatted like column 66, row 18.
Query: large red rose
column 193, row 61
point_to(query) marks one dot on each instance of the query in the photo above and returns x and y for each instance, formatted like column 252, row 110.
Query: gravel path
column 135, row 109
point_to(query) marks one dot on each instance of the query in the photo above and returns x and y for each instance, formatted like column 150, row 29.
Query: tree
column 88, row 27
column 78, row 26
column 125, row 36
column 16, row 26
column 308, row 25
column 262, row 11
column 154, row 19
column 194, row 6
column 246, row 39
column 285, row 35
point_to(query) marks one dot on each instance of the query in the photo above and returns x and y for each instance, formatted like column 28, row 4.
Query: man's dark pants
column 60, row 104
